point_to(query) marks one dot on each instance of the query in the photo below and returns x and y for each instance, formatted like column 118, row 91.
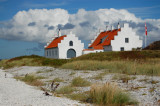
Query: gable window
column 71, row 43
column 103, row 39
column 122, row 48
column 126, row 40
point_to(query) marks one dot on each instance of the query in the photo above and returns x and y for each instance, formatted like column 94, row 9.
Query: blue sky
column 15, row 46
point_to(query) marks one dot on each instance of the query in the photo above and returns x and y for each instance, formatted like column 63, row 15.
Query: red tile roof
column 97, row 44
column 55, row 42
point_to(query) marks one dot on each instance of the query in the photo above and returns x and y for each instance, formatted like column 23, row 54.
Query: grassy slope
column 131, row 55
column 32, row 60
column 129, row 62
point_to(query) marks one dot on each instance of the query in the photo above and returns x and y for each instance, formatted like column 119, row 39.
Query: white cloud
column 41, row 24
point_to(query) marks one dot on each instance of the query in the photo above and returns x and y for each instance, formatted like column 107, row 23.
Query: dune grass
column 31, row 80
column 79, row 96
column 129, row 55
column 147, row 67
column 58, row 80
column 65, row 90
column 123, row 77
column 100, row 75
column 80, row 82
column 128, row 62
column 109, row 94
column 32, row 60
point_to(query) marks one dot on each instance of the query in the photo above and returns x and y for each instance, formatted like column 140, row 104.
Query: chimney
column 106, row 28
column 112, row 28
column 59, row 33
column 118, row 25
column 99, row 30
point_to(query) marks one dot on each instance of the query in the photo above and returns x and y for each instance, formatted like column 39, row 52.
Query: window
column 126, row 40
column 56, row 52
column 71, row 43
column 47, row 52
column 52, row 53
column 122, row 48
column 103, row 39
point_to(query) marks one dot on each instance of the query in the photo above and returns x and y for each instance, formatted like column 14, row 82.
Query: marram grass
column 80, row 82
column 31, row 80
column 109, row 94
column 65, row 90
column 148, row 67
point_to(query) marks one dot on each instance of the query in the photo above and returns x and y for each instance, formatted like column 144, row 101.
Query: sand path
column 17, row 93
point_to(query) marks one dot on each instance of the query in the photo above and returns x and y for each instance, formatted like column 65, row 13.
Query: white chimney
column 112, row 28
column 118, row 25
column 59, row 33
column 101, row 30
column 71, row 32
column 106, row 28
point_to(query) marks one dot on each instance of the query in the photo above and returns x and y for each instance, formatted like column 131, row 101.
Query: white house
column 64, row 47
column 120, row 39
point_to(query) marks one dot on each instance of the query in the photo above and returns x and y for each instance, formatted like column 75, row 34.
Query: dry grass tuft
column 80, row 82
column 79, row 96
column 31, row 80
column 125, row 78
column 58, row 80
column 65, row 90
column 100, row 75
column 109, row 94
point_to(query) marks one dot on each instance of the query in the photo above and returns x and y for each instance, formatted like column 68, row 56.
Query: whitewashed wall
column 78, row 46
column 92, row 51
column 119, row 40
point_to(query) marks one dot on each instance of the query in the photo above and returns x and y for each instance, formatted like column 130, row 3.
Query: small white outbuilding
column 64, row 47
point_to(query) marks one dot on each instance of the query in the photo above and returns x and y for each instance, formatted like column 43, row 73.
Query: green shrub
column 80, row 82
